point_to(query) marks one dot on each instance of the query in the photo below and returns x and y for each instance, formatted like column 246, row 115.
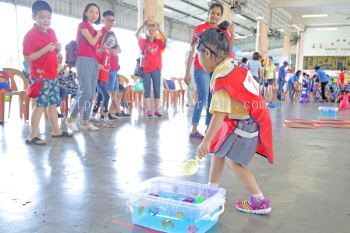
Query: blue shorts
column 113, row 81
column 49, row 93
column 270, row 82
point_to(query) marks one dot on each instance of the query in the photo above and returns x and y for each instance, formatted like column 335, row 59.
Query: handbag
column 34, row 89
column 139, row 62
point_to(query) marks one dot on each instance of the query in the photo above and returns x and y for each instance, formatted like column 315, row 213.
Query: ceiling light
column 241, row 17
column 327, row 29
column 167, row 10
column 259, row 17
column 314, row 15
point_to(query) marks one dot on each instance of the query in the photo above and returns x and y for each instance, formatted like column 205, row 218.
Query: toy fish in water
column 167, row 223
column 153, row 211
column 179, row 215
column 141, row 210
column 192, row 229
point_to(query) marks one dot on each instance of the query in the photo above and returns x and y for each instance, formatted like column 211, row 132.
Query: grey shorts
column 239, row 148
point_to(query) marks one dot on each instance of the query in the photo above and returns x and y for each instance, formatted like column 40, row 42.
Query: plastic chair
column 169, row 93
column 181, row 91
column 18, row 85
column 137, row 95
column 127, row 97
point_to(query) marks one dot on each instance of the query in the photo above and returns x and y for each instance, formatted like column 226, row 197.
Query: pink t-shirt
column 84, row 49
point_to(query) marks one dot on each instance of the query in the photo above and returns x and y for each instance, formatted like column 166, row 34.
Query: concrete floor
column 78, row 185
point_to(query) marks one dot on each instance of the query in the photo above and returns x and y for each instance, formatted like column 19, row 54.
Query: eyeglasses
column 110, row 20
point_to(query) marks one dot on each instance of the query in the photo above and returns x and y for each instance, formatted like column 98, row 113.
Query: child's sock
column 258, row 196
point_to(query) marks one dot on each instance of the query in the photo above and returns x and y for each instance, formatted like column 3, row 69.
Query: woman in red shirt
column 151, row 49
column 87, row 67
column 201, row 77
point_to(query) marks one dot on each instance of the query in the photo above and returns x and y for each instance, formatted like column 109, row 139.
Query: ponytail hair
column 215, row 40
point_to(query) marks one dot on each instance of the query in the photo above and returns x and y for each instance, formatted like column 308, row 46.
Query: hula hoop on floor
column 301, row 125
column 315, row 124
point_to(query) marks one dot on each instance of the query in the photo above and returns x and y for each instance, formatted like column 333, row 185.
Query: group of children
column 309, row 89
column 97, row 68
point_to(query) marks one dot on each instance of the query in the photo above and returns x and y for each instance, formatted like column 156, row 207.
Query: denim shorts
column 49, row 93
column 113, row 81
column 270, row 82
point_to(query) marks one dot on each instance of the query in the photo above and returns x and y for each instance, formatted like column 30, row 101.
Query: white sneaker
column 107, row 124
column 72, row 125
column 94, row 119
column 89, row 126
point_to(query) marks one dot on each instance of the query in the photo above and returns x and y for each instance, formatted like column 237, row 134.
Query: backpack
column 71, row 56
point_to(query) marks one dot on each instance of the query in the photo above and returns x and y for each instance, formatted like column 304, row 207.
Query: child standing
column 304, row 94
column 241, row 124
column 40, row 48
column 104, row 60
column 87, row 67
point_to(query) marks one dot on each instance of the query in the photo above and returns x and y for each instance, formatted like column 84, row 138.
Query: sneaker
column 253, row 206
column 196, row 136
column 60, row 115
column 102, row 117
column 89, row 126
column 107, row 124
column 149, row 114
column 94, row 119
column 122, row 115
column 157, row 113
column 72, row 125
column 112, row 117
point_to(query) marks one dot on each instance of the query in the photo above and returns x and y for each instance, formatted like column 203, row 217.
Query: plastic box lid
column 327, row 109
column 139, row 195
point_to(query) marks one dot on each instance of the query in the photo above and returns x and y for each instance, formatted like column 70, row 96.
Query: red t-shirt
column 341, row 78
column 45, row 66
column 198, row 30
column 153, row 59
column 104, row 59
column 84, row 49
column 115, row 63
column 115, row 59
column 103, row 32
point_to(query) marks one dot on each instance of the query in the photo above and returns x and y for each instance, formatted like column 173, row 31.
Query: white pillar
column 300, row 51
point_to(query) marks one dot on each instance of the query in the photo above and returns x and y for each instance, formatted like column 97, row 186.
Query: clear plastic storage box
column 328, row 111
column 177, row 206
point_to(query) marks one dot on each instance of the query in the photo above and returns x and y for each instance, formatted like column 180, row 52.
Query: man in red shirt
column 113, row 81
column 40, row 48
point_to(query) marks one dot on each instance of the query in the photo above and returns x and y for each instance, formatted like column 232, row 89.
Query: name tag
column 251, row 84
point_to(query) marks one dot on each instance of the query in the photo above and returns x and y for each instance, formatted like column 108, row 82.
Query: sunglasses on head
column 200, row 41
